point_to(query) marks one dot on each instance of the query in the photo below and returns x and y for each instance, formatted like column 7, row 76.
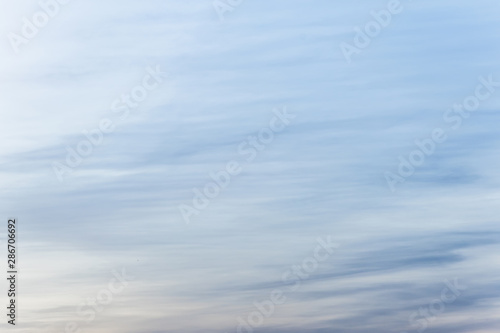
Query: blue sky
column 322, row 176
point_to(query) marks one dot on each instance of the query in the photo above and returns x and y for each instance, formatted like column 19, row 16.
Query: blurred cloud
column 322, row 176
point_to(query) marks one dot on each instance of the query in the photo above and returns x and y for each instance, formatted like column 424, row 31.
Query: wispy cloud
column 323, row 176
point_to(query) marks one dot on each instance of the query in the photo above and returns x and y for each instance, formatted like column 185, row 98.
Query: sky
column 252, row 166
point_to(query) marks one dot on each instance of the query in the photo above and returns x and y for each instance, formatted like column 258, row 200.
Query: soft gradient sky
column 323, row 175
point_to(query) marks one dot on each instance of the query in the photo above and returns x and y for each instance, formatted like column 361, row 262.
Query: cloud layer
column 323, row 175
